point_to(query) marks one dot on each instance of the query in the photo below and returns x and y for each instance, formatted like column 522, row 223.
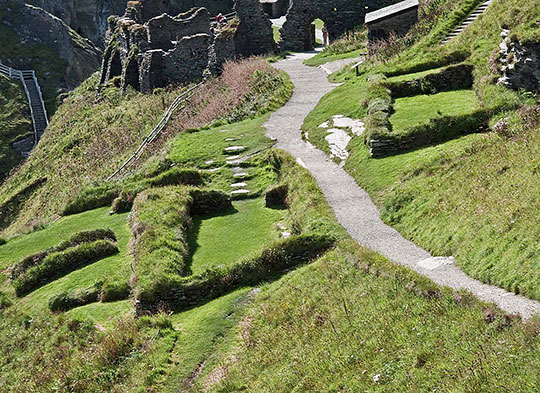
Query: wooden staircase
column 470, row 19
column 34, row 96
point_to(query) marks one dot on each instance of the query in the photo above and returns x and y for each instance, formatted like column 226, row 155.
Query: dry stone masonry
column 148, row 48
column 339, row 16
column 520, row 64
column 395, row 19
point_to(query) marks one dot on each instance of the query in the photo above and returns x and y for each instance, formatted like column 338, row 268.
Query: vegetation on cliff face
column 14, row 123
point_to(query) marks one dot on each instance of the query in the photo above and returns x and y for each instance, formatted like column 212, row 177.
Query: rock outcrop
column 148, row 48
column 520, row 64
column 89, row 17
column 32, row 38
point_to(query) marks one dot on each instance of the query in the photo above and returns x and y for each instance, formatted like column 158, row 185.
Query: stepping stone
column 238, row 185
column 231, row 139
column 241, row 175
column 240, row 192
column 285, row 235
column 233, row 158
column 223, row 131
column 209, row 162
column 235, row 149
column 237, row 160
column 214, row 169
column 281, row 226
column 435, row 262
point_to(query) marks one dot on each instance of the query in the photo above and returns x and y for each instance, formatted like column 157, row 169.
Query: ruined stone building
column 148, row 48
column 397, row 19
column 339, row 16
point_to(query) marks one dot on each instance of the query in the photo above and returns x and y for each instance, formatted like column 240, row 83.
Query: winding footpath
column 353, row 206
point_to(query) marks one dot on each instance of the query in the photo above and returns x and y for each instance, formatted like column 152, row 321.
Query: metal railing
column 27, row 77
column 156, row 131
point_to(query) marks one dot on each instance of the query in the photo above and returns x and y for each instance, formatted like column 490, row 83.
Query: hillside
column 233, row 256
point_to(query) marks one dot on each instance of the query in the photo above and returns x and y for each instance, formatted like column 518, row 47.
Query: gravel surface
column 352, row 205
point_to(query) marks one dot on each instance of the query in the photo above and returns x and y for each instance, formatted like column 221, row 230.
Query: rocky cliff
column 89, row 17
column 32, row 38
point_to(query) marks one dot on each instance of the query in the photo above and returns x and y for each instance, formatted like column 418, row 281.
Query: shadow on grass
column 193, row 235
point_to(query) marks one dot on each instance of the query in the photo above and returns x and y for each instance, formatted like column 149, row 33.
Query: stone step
column 239, row 185
column 240, row 192
column 235, row 149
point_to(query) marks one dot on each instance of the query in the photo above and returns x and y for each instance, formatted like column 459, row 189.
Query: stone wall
column 520, row 64
column 338, row 15
column 254, row 34
column 275, row 8
column 398, row 24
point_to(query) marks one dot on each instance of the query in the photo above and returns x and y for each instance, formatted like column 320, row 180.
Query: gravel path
column 352, row 205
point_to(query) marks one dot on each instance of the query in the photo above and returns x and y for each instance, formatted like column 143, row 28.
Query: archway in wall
column 339, row 16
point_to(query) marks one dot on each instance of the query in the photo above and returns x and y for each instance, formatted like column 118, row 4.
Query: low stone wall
column 398, row 24
column 520, row 64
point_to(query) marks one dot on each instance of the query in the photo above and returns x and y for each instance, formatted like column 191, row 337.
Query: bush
column 2, row 241
column 60, row 263
column 76, row 239
column 179, row 293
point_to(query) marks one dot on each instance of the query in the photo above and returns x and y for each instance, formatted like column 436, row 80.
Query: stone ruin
column 339, row 17
column 148, row 48
column 395, row 19
column 519, row 64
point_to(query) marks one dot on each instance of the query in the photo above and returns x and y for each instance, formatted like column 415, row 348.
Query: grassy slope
column 473, row 197
column 14, row 123
column 114, row 268
column 225, row 238
column 338, row 326
column 413, row 111
column 89, row 138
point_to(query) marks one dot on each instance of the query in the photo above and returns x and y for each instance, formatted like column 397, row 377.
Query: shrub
column 2, row 241
column 76, row 239
column 60, row 263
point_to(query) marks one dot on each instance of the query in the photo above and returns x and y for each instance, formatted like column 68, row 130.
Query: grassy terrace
column 416, row 110
column 116, row 266
column 223, row 239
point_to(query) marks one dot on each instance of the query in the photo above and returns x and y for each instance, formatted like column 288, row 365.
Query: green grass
column 417, row 110
column 223, row 239
column 414, row 75
column 337, row 102
column 353, row 322
column 200, row 332
column 88, row 139
column 54, row 233
column 277, row 33
column 106, row 314
column 114, row 268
